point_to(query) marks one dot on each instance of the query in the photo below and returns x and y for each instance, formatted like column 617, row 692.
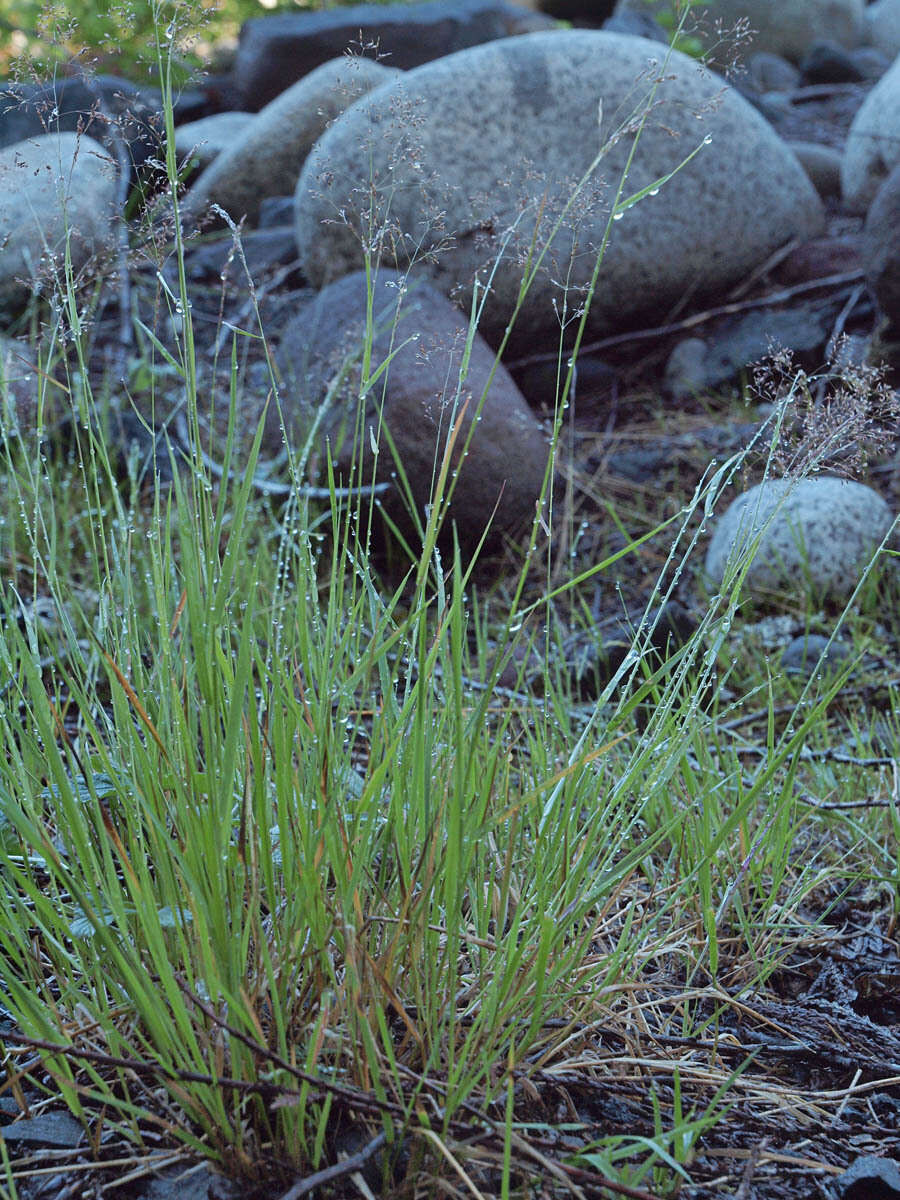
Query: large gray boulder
column 265, row 159
column 785, row 27
column 461, row 161
column 277, row 50
column 418, row 399
column 55, row 190
column 872, row 148
column 882, row 26
column 816, row 537
column 206, row 139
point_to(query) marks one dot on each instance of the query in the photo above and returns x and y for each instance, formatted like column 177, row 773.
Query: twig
column 304, row 1186
column 841, row 282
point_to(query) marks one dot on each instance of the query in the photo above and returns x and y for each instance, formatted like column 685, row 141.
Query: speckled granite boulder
column 266, row 159
column 872, row 149
column 50, row 185
column 460, row 159
column 419, row 398
column 817, row 535
column 785, row 27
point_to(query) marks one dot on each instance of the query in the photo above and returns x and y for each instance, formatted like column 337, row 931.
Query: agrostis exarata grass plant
column 290, row 883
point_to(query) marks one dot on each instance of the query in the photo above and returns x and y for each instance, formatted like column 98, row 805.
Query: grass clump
column 289, row 881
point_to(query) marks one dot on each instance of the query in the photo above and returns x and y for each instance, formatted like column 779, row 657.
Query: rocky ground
column 653, row 404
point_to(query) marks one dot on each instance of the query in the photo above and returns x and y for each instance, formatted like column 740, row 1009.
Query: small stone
column 811, row 653
column 826, row 62
column 823, row 166
column 56, row 1130
column 816, row 536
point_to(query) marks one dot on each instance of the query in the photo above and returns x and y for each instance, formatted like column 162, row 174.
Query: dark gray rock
column 276, row 210
column 636, row 24
column 869, row 1178
column 697, row 366
column 588, row 13
column 821, row 257
column 196, row 1183
column 419, row 398
column 276, row 51
column 264, row 251
column 767, row 72
column 57, row 1130
column 811, row 653
column 823, row 166
column 83, row 105
column 881, row 247
column 827, row 62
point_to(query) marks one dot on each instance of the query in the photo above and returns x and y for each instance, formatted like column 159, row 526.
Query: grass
column 287, row 877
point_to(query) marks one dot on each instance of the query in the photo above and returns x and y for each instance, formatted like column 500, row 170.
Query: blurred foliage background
column 38, row 38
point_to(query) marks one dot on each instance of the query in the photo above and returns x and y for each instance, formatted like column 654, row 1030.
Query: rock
column 768, row 72
column 206, row 139
column 659, row 633
column 870, row 1178
column 881, row 247
column 276, row 51
column 826, row 62
column 82, row 105
column 507, row 457
column 18, row 387
column 785, row 27
column 736, row 343
column 266, row 161
column 685, row 374
column 197, row 1182
column 636, row 24
column 585, row 13
column 882, row 26
column 872, row 62
column 467, row 154
column 823, row 166
column 264, row 250
column 811, row 653
column 596, row 384
column 872, row 149
column 821, row 257
column 48, row 185
column 276, row 210
column 56, row 1130
column 816, row 536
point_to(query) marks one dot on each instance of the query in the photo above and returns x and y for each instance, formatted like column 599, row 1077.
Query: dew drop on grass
column 618, row 216
column 653, row 192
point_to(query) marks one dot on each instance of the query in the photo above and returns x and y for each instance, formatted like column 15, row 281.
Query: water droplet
column 618, row 216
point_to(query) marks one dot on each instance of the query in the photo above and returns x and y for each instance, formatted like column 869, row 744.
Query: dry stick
column 840, row 282
column 346, row 1167
column 139, row 1067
